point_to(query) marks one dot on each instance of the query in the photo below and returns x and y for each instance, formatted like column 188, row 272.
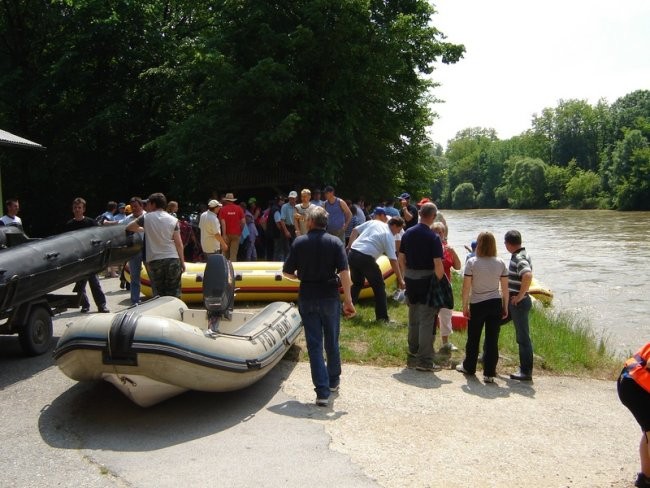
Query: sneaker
column 461, row 369
column 488, row 379
column 103, row 309
column 432, row 367
column 642, row 481
column 85, row 309
column 322, row 402
column 334, row 388
column 448, row 347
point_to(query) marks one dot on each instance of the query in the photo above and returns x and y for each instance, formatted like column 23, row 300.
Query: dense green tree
column 463, row 196
column 630, row 172
column 583, row 190
column 526, row 185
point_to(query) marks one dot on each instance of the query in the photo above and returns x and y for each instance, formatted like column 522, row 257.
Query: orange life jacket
column 636, row 367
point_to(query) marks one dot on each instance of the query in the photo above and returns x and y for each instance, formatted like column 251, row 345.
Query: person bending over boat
column 634, row 392
column 315, row 259
column 368, row 241
column 164, row 247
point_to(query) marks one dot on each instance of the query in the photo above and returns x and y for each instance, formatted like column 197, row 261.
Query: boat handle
column 51, row 255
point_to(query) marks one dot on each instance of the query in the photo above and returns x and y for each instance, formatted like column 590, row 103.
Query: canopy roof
column 9, row 139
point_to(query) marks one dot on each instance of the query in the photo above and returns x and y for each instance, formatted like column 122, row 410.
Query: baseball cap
column 404, row 196
column 423, row 201
column 293, row 194
column 379, row 210
column 214, row 203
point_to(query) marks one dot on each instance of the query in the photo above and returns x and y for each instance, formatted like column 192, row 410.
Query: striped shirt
column 520, row 264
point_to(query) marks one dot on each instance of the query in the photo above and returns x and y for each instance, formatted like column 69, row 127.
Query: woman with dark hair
column 485, row 303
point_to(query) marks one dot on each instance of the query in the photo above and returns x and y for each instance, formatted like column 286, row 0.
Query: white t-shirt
column 486, row 273
column 159, row 228
column 15, row 220
column 375, row 239
column 209, row 226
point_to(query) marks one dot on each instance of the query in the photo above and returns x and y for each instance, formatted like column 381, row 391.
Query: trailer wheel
column 36, row 333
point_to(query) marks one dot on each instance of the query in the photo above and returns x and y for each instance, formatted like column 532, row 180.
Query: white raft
column 162, row 348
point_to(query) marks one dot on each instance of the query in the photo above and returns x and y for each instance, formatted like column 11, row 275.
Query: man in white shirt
column 11, row 217
column 212, row 242
column 367, row 242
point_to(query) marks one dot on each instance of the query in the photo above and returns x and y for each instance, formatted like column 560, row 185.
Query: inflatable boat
column 540, row 292
column 259, row 281
column 162, row 348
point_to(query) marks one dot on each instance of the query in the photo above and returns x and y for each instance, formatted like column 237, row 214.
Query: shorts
column 636, row 399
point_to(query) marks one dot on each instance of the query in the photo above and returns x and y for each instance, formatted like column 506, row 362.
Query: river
column 595, row 261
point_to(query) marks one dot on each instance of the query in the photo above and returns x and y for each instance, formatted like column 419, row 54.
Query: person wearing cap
column 135, row 263
column 300, row 215
column 367, row 242
column 233, row 221
column 287, row 223
column 319, row 261
column 420, row 256
column 163, row 246
column 407, row 211
column 121, row 213
column 212, row 242
column 389, row 206
column 339, row 214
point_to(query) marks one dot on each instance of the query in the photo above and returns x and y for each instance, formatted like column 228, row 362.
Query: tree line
column 196, row 98
column 574, row 155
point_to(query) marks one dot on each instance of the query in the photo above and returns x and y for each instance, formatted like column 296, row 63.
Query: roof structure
column 11, row 140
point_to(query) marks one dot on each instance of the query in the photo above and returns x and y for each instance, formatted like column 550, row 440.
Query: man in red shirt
column 233, row 220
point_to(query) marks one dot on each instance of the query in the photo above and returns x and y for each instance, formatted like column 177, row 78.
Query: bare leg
column 644, row 454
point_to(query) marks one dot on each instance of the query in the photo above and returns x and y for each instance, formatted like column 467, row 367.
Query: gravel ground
column 388, row 427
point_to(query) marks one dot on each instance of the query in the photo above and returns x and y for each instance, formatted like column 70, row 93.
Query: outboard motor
column 218, row 289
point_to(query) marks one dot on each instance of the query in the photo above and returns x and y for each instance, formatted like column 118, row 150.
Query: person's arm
column 353, row 237
column 454, row 257
column 135, row 225
column 467, row 287
column 346, row 282
column 401, row 259
column 526, row 279
column 176, row 236
column 504, row 296
column 408, row 216
column 398, row 272
column 222, row 241
column 438, row 268
column 346, row 212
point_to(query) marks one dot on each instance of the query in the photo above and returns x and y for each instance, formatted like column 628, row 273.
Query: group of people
column 492, row 290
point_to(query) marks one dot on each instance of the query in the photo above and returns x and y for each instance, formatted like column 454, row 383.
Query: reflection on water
column 595, row 261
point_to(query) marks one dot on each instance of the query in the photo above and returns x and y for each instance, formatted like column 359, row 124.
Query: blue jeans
column 135, row 267
column 519, row 314
column 321, row 319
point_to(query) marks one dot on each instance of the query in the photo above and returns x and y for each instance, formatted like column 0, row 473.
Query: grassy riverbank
column 563, row 344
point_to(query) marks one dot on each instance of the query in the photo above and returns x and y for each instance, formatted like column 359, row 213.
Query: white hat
column 230, row 197
column 214, row 203
column 293, row 194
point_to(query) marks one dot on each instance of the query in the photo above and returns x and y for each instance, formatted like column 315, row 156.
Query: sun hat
column 229, row 197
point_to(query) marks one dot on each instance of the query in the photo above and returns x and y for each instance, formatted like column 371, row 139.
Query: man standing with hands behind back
column 520, row 275
column 315, row 259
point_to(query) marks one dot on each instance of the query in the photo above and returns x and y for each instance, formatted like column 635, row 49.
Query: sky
column 525, row 55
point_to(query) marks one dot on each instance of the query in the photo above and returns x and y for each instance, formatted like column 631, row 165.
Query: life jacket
column 636, row 367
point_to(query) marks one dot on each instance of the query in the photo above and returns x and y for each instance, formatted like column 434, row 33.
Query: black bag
column 440, row 293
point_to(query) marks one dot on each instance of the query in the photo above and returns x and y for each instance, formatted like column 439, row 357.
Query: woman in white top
column 485, row 303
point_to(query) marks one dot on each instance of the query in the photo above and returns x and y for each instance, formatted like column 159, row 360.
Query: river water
column 596, row 262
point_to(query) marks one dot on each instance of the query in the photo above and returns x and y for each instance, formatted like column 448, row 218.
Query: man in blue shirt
column 420, row 256
column 315, row 259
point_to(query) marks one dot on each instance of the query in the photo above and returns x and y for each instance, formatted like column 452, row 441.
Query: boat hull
column 163, row 348
column 255, row 281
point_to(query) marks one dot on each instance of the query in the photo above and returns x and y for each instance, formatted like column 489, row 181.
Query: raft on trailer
column 162, row 348
column 255, row 281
